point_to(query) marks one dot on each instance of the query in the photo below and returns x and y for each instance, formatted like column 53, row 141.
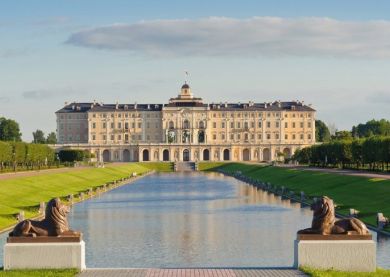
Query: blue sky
column 332, row 54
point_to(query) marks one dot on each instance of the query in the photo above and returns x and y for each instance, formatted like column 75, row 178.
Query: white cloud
column 257, row 36
column 37, row 94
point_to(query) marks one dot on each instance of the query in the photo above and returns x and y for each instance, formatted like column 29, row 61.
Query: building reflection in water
column 189, row 220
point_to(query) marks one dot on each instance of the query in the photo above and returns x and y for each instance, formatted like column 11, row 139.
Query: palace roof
column 251, row 106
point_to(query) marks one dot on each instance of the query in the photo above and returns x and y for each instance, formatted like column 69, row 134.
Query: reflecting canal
column 192, row 220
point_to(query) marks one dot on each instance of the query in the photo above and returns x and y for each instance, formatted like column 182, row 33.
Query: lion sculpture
column 325, row 223
column 54, row 224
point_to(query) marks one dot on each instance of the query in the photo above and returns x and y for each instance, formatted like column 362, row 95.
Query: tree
column 51, row 138
column 72, row 155
column 342, row 135
column 322, row 132
column 39, row 137
column 372, row 128
column 9, row 130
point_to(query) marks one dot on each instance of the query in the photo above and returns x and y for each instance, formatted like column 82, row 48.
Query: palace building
column 187, row 129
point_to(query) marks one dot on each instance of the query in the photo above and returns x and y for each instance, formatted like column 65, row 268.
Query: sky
column 332, row 54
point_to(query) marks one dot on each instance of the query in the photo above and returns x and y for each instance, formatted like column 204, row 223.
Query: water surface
column 192, row 220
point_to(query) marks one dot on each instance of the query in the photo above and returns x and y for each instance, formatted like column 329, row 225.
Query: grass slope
column 25, row 193
column 331, row 273
column 40, row 273
column 368, row 196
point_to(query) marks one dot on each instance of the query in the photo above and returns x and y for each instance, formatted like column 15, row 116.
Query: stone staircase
column 184, row 166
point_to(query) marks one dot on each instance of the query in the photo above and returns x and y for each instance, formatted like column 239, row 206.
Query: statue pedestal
column 19, row 254
column 337, row 252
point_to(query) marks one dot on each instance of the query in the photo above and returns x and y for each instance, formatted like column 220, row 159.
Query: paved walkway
column 193, row 272
column 349, row 172
column 13, row 175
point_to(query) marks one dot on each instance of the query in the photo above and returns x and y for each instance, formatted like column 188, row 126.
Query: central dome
column 185, row 86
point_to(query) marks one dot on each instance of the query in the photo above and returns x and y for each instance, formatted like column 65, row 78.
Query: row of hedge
column 27, row 155
column 20, row 155
column 371, row 153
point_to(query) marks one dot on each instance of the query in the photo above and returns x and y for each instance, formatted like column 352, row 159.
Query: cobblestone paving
column 193, row 272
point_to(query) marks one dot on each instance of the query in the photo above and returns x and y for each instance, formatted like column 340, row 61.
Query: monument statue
column 325, row 223
column 55, row 223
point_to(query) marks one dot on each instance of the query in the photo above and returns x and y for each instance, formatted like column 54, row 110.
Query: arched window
column 171, row 125
column 186, row 124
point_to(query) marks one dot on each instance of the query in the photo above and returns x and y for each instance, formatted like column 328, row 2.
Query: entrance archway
column 126, row 155
column 166, row 155
column 206, row 155
column 246, row 154
column 226, row 155
column 287, row 153
column 186, row 155
column 145, row 155
column 106, row 156
column 266, row 154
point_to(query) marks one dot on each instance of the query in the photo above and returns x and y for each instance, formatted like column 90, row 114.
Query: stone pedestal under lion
column 344, row 244
column 45, row 244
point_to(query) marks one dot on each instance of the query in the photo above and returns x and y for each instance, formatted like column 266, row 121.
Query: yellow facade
column 186, row 129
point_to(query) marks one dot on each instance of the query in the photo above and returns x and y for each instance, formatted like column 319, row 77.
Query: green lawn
column 40, row 273
column 331, row 273
column 158, row 166
column 25, row 193
column 368, row 196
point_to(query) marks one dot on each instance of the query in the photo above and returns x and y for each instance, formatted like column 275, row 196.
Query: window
column 277, row 136
column 238, row 136
column 246, row 137
column 214, row 136
column 126, row 137
column 93, row 137
column 232, row 125
column 293, row 136
column 238, row 125
column 252, row 136
column 112, row 125
column 301, row 136
column 112, row 137
column 104, row 125
column 119, row 125
column 285, row 124
column 223, row 125
column 223, row 136
column 309, row 136
column 286, row 136
column 214, row 124
column 277, row 124
column 104, row 137
column 309, row 124
column 293, row 125
column 252, row 125
column 258, row 136
column 260, row 124
column 126, row 125
column 268, row 124
column 268, row 136
column 231, row 136
column 133, row 125
column 246, row 125
column 301, row 124
column 139, row 124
